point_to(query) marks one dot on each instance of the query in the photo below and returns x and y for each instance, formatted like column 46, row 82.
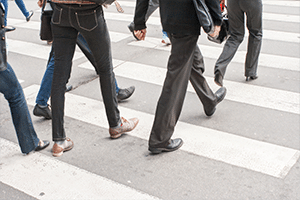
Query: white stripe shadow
column 247, row 153
column 43, row 177
column 212, row 52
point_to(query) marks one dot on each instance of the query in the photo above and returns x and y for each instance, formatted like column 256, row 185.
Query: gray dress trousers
column 237, row 10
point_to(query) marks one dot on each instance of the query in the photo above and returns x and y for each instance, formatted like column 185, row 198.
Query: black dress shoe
column 248, row 78
column 131, row 28
column 42, row 111
column 174, row 145
column 9, row 28
column 220, row 95
column 219, row 79
column 125, row 93
column 42, row 145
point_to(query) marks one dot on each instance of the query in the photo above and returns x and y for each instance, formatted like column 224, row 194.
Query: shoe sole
column 120, row 134
column 61, row 153
column 160, row 150
column 120, row 100
column 40, row 115
column 222, row 97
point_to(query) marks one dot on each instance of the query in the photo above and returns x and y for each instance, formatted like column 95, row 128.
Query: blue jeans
column 13, row 93
column 67, row 21
column 5, row 4
column 45, row 88
column 21, row 6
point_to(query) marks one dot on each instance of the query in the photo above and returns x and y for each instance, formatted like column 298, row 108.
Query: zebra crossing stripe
column 212, row 52
column 267, row 34
column 59, row 179
column 33, row 49
column 35, row 25
column 235, row 150
column 244, row 93
column 282, row 3
column 268, row 60
column 265, row 2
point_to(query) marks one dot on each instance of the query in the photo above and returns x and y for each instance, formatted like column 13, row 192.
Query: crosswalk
column 259, row 156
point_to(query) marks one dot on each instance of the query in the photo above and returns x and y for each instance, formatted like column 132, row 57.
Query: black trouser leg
column 174, row 89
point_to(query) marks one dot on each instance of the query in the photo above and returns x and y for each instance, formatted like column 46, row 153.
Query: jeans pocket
column 56, row 17
column 87, row 20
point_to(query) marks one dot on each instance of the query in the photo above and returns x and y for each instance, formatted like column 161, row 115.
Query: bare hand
column 216, row 31
column 40, row 3
column 140, row 34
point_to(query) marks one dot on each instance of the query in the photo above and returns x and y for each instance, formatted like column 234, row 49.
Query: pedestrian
column 237, row 10
column 69, row 18
column 13, row 93
column 22, row 7
column 152, row 6
column 185, row 63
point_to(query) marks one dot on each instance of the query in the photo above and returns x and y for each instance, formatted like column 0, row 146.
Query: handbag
column 224, row 32
column 46, row 31
column 204, row 16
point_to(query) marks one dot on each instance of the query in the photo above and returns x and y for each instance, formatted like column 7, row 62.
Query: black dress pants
column 236, row 15
column 185, row 63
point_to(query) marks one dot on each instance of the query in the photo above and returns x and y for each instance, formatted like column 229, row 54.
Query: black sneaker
column 42, row 111
column 29, row 16
column 125, row 93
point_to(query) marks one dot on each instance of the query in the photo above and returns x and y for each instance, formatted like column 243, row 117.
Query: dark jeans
column 236, row 15
column 45, row 88
column 13, row 93
column 185, row 63
column 67, row 21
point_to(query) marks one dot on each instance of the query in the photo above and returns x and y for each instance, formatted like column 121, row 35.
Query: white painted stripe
column 213, row 52
column 34, row 25
column 281, row 17
column 279, row 36
column 245, row 93
column 117, row 36
column 243, row 152
column 33, row 49
column 265, row 2
column 20, row 81
column 36, row 173
column 156, row 20
column 282, row 3
column 88, row 65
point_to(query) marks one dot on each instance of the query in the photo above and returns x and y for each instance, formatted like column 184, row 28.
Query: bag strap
column 44, row 4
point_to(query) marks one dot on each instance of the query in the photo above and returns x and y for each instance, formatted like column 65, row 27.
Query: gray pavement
column 260, row 115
